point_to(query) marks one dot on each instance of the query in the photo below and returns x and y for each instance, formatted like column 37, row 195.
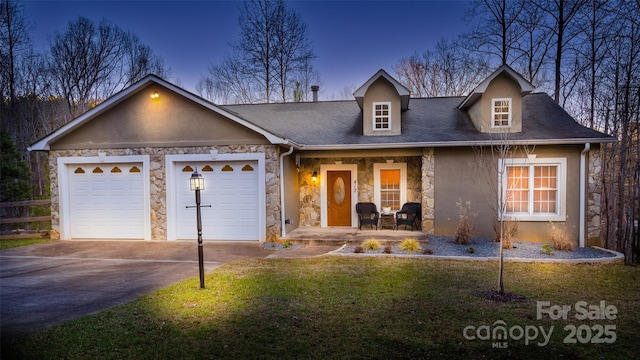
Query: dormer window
column 381, row 115
column 501, row 113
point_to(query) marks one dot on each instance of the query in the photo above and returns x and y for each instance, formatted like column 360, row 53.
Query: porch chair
column 409, row 215
column 367, row 214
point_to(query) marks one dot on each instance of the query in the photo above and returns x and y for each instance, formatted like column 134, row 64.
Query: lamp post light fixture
column 197, row 183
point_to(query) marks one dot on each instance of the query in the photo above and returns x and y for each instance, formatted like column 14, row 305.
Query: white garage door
column 106, row 201
column 231, row 188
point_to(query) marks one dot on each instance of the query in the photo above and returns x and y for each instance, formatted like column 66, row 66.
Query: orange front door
column 338, row 198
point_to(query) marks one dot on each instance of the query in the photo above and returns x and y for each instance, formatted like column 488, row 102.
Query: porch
column 350, row 235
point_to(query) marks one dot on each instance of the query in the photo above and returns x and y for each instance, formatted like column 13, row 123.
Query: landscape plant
column 410, row 245
column 546, row 250
column 464, row 228
column 560, row 238
column 508, row 234
column 371, row 244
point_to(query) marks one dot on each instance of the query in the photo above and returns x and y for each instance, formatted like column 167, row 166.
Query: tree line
column 584, row 53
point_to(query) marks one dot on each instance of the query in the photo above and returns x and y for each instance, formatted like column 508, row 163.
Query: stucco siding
column 468, row 175
column 381, row 91
column 169, row 120
column 501, row 87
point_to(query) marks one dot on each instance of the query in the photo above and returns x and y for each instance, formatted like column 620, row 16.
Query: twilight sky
column 352, row 39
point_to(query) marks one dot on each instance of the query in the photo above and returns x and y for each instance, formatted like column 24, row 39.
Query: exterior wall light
column 155, row 95
column 314, row 177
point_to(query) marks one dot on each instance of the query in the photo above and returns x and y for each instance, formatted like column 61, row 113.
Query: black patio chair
column 367, row 214
column 409, row 215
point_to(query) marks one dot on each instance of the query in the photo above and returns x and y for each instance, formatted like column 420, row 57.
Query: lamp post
column 197, row 184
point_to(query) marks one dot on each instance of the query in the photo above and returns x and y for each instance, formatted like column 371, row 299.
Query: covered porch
column 351, row 235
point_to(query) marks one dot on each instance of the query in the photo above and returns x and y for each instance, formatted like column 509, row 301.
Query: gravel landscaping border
column 482, row 249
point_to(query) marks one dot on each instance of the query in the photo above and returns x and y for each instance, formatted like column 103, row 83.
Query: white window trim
column 493, row 112
column 377, row 199
column 561, row 209
column 373, row 115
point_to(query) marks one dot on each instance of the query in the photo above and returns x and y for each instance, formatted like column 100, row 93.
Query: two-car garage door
column 110, row 201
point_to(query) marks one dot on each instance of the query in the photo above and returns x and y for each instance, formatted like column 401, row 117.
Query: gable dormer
column 495, row 105
column 382, row 99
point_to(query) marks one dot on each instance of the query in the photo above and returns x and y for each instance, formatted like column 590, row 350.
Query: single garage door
column 231, row 188
column 106, row 201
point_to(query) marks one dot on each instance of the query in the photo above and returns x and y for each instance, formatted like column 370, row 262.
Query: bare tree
column 495, row 183
column 140, row 61
column 444, row 71
column 498, row 28
column 272, row 54
column 563, row 18
column 90, row 63
column 531, row 51
column 227, row 83
column 14, row 40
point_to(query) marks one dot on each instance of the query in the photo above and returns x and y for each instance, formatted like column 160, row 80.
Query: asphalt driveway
column 47, row 284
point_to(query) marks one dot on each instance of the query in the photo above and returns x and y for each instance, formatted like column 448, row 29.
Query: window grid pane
column 501, row 113
column 517, row 189
column 545, row 190
column 543, row 195
column 390, row 189
column 381, row 116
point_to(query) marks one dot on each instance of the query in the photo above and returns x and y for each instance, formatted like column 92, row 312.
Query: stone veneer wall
column 158, row 182
column 594, row 198
column 428, row 190
column 310, row 192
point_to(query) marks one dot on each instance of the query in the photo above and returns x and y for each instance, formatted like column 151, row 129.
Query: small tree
column 15, row 175
column 494, row 167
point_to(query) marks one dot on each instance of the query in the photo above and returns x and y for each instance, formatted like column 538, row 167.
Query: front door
column 338, row 198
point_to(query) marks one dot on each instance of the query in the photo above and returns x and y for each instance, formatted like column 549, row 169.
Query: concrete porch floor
column 350, row 235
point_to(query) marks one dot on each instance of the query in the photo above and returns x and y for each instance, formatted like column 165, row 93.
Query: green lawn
column 342, row 308
column 12, row 243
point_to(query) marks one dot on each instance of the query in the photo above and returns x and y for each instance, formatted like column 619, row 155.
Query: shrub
column 387, row 250
column 546, row 250
column 410, row 245
column 464, row 229
column 428, row 252
column 560, row 238
column 287, row 244
column 371, row 244
column 358, row 249
column 510, row 232
column 471, row 250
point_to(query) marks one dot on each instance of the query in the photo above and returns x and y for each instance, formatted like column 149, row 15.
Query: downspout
column 583, row 191
column 282, row 215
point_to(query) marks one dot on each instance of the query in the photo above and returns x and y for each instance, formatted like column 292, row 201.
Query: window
column 390, row 185
column 534, row 189
column 390, row 188
column 381, row 116
column 501, row 113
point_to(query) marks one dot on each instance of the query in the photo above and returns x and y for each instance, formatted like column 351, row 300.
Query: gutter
column 282, row 214
column 583, row 191
column 443, row 144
